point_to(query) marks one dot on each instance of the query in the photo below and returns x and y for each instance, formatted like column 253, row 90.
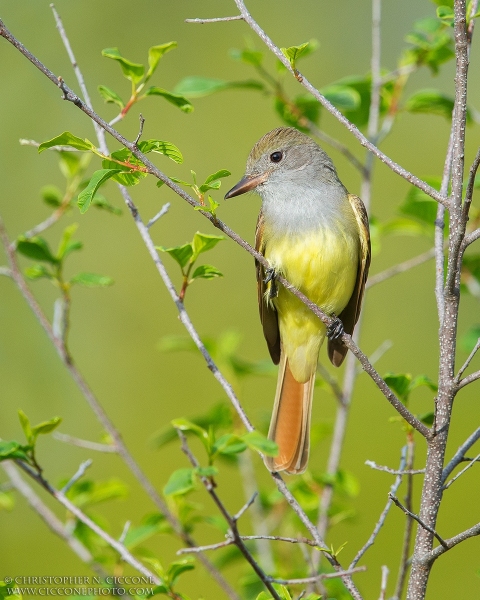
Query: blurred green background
column 115, row 331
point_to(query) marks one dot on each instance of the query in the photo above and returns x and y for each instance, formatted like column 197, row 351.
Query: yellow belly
column 323, row 265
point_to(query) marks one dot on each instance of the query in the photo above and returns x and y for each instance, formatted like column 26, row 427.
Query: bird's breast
column 322, row 262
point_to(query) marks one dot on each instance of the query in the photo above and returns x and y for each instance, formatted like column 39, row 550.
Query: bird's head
column 285, row 157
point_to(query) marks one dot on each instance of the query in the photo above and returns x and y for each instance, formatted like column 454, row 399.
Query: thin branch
column 383, row 516
column 231, row 520
column 373, row 465
column 408, row 531
column 451, row 542
column 125, row 529
column 88, row 394
column 77, row 71
column 400, row 268
column 230, row 541
column 319, row 577
column 69, row 95
column 383, row 585
column 140, row 131
column 470, row 238
column 419, row 521
column 429, row 190
column 163, row 211
column 78, row 475
column 5, row 271
column 35, row 144
column 469, row 465
column 467, row 362
column 215, row 20
column 102, row 417
column 49, row 518
column 125, row 555
column 331, row 381
column 459, row 455
column 468, row 379
column 245, row 507
column 74, row 441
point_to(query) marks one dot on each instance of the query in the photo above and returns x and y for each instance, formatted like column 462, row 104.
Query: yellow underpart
column 323, row 265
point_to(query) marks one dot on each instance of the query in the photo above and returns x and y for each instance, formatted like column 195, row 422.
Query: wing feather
column 268, row 314
column 350, row 314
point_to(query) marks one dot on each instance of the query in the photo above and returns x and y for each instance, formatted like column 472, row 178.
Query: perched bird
column 316, row 235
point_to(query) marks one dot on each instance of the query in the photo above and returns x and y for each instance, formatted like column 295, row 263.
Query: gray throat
column 296, row 210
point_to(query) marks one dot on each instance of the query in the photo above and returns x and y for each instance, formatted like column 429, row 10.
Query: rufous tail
column 290, row 424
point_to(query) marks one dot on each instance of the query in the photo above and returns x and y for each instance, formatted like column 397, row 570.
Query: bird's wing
column 268, row 314
column 349, row 316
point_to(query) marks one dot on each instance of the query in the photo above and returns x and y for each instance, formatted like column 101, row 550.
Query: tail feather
column 290, row 424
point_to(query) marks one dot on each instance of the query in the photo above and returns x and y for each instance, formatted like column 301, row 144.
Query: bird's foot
column 335, row 330
column 270, row 278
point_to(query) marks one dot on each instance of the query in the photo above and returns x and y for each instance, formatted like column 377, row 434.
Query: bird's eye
column 276, row 156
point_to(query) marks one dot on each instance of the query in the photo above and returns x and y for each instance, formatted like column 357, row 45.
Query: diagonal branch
column 459, row 455
column 383, row 516
column 433, row 193
column 69, row 95
column 81, row 516
column 50, row 519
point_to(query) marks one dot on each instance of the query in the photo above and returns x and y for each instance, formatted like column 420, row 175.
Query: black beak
column 245, row 185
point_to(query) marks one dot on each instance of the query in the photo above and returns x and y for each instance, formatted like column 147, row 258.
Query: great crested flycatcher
column 315, row 234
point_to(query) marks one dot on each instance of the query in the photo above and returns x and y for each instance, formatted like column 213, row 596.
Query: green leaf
column 343, row 97
column 293, row 53
column 206, row 471
column 217, row 175
column 110, row 96
column 71, row 163
column 432, row 102
column 206, row 272
column 445, row 13
column 36, row 248
column 25, row 423
column 420, row 206
column 469, row 339
column 38, row 272
column 211, row 208
column 98, row 178
column 427, row 418
column 132, row 71
column 187, row 426
column 423, row 380
column 127, row 175
column 46, row 426
column 67, row 139
column 203, row 242
column 160, row 147
column 155, row 53
column 248, row 56
column 181, row 482
column 432, row 44
column 229, row 444
column 256, row 441
column 196, row 87
column 182, row 254
column 176, row 99
column 65, row 247
column 51, row 195
column 177, row 568
column 92, row 280
column 88, row 493
column 400, row 384
column 9, row 450
column 102, row 203
column 152, row 525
